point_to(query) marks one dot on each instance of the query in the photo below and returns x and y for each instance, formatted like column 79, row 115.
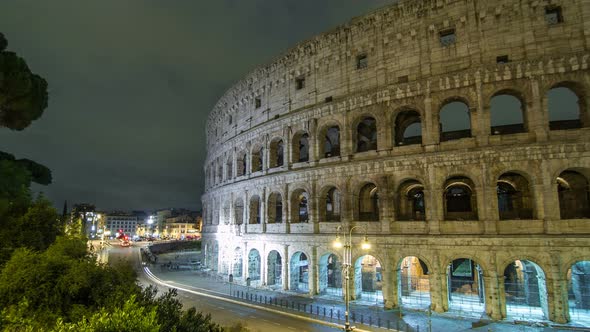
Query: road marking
column 221, row 308
column 290, row 328
column 277, row 324
column 264, row 320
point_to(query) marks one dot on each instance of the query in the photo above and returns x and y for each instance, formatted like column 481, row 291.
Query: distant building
column 120, row 221
column 87, row 214
column 183, row 226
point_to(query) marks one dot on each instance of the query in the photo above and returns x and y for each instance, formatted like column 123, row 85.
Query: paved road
column 224, row 312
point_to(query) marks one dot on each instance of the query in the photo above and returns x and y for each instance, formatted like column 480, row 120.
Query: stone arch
column 365, row 134
column 241, row 163
column 525, row 290
column 300, row 146
column 330, row 138
column 257, row 159
column 238, row 211
column 578, row 285
column 566, row 106
column 237, row 264
column 573, row 194
column 368, row 202
column 226, row 212
column 275, row 208
column 254, row 210
column 507, row 112
column 277, row 152
column 330, row 274
column 368, row 279
column 459, row 199
column 229, row 167
column 254, row 267
column 299, row 272
column 411, row 201
column 300, row 202
column 219, row 171
column 330, row 203
column 465, row 286
column 413, row 282
column 274, row 270
column 408, row 127
column 515, row 199
column 454, row 119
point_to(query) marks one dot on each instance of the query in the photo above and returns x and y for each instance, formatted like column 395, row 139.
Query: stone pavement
column 367, row 317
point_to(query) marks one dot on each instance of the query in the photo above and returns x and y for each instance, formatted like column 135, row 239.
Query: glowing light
column 337, row 243
column 366, row 245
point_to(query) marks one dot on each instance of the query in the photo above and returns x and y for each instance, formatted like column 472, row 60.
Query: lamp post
column 346, row 245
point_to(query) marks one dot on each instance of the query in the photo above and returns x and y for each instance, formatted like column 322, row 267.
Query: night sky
column 131, row 84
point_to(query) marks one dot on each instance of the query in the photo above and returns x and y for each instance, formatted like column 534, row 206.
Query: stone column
column 285, row 268
column 346, row 214
column 313, row 207
column 346, row 138
column 492, row 291
column 550, row 199
column 245, row 265
column 430, row 132
column 557, row 293
column 263, row 265
column 434, row 205
column 386, row 212
column 313, row 142
column 286, row 202
column 384, row 132
column 313, row 272
column 262, row 213
column 288, row 148
column 537, row 114
column 439, row 298
column 390, row 275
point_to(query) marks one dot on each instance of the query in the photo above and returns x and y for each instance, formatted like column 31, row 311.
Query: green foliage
column 23, row 95
column 39, row 173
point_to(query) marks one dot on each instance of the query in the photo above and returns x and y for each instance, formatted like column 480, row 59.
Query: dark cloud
column 132, row 82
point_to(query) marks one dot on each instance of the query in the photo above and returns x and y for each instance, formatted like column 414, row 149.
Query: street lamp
column 346, row 244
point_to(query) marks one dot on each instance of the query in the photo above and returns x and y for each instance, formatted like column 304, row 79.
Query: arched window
column 331, row 142
column 566, row 109
column 506, row 114
column 369, row 203
column 411, row 204
column 332, row 205
column 220, row 172
column 275, row 208
column 366, row 135
column 257, row 159
column 514, row 198
column 408, row 128
column 229, row 166
column 276, row 153
column 238, row 211
column 255, row 210
column 300, row 212
column 460, row 201
column 455, row 121
column 301, row 147
column 241, row 164
column 574, row 196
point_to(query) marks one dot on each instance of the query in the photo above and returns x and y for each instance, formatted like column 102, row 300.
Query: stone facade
column 320, row 138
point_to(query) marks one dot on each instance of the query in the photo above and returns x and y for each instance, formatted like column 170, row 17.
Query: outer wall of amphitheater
column 321, row 138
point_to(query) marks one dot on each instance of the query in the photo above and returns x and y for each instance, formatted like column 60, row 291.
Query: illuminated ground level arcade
column 532, row 280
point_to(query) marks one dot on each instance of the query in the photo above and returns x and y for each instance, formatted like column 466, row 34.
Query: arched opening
column 226, row 213
column 330, row 275
column 369, row 203
column 565, row 107
column 274, row 269
column 578, row 277
column 229, row 167
column 255, row 210
column 331, row 146
column 241, row 164
column 299, row 272
column 514, row 197
column 276, row 153
column 413, row 283
column 212, row 256
column 220, row 172
column 408, row 128
column 301, row 147
column 257, row 159
column 238, row 211
column 366, row 135
column 455, row 122
column 507, row 114
column 237, row 263
column 525, row 290
column 299, row 206
column 459, row 199
column 574, row 195
column 331, row 204
column 254, row 267
column 275, row 208
column 465, row 286
column 411, row 205
column 368, row 279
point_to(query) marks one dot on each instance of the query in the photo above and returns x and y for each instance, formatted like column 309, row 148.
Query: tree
column 23, row 95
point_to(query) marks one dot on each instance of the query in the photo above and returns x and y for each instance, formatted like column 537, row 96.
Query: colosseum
column 454, row 134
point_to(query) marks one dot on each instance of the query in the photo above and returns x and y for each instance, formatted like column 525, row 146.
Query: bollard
column 338, row 314
column 298, row 307
column 362, row 319
column 331, row 313
column 264, row 299
column 378, row 321
column 370, row 320
column 388, row 324
column 417, row 328
column 353, row 317
column 310, row 309
column 317, row 311
column 324, row 311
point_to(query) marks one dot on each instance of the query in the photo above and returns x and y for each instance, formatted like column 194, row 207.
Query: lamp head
column 366, row 245
column 337, row 243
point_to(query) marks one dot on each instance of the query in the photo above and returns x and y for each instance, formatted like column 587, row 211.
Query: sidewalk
column 330, row 308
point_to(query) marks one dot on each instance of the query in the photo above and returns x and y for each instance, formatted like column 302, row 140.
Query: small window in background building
column 300, row 83
column 553, row 15
column 257, row 102
column 402, row 79
column 328, row 99
column 502, row 59
column 447, row 37
column 362, row 62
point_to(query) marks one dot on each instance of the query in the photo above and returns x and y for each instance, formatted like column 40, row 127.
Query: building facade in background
column 120, row 222
column 455, row 134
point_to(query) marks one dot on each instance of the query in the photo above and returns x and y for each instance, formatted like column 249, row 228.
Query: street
column 224, row 312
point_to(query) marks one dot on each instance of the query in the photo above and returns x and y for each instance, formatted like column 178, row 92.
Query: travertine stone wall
column 408, row 68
